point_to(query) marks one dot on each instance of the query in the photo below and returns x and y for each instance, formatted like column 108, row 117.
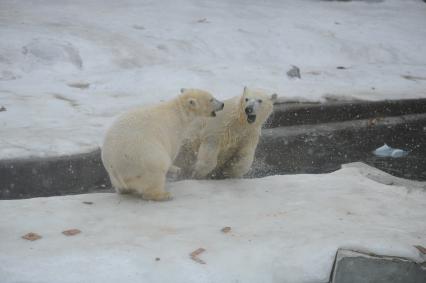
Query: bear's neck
column 176, row 124
column 183, row 118
column 179, row 120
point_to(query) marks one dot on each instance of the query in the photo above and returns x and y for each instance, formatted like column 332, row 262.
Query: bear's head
column 256, row 106
column 199, row 103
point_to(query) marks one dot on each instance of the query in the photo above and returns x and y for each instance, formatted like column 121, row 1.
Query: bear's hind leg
column 174, row 172
column 150, row 186
column 118, row 184
column 154, row 190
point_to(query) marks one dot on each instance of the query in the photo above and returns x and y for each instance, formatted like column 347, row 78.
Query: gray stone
column 294, row 72
column 357, row 267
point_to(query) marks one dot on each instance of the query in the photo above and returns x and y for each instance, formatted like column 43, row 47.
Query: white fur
column 141, row 145
column 225, row 146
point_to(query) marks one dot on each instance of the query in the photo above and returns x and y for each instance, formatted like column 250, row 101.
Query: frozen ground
column 283, row 229
column 68, row 67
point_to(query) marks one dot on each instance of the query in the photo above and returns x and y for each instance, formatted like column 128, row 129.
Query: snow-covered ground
column 68, row 67
column 283, row 229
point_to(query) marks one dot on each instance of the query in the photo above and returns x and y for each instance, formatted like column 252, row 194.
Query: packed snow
column 282, row 229
column 67, row 68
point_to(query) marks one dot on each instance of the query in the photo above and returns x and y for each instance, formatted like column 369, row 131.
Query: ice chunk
column 387, row 151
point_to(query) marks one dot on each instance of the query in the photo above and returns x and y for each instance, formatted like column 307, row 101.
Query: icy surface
column 387, row 151
column 68, row 67
column 283, row 229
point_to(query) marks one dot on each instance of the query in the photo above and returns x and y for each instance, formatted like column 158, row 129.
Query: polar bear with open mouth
column 225, row 146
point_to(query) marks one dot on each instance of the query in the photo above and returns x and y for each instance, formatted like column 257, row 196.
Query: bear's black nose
column 249, row 110
column 221, row 107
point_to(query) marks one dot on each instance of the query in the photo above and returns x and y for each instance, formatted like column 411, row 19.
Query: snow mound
column 134, row 52
column 282, row 229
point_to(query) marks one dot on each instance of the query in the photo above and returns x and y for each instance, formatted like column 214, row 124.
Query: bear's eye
column 211, row 99
column 247, row 99
column 259, row 100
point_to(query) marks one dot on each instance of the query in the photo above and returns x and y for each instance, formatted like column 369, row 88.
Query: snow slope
column 283, row 229
column 68, row 67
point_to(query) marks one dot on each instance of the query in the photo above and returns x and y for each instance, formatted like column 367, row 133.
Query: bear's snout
column 249, row 110
column 218, row 105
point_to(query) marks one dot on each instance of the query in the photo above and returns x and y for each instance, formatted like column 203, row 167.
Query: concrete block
column 358, row 267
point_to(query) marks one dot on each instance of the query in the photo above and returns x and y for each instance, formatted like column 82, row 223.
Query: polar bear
column 141, row 145
column 225, row 146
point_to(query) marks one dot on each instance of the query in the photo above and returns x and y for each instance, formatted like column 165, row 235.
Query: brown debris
column 194, row 255
column 88, row 202
column 71, row 232
column 226, row 229
column 374, row 121
column 31, row 236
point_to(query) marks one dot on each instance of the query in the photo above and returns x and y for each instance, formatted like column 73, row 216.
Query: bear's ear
column 192, row 102
column 274, row 97
column 245, row 90
column 182, row 90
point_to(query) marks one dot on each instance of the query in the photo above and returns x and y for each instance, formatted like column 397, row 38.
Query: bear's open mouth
column 213, row 114
column 251, row 118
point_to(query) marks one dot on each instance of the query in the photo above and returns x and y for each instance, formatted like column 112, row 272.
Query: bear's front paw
column 202, row 169
column 234, row 174
column 198, row 175
column 174, row 172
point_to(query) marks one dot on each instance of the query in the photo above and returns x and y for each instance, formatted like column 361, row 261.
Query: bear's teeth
column 251, row 118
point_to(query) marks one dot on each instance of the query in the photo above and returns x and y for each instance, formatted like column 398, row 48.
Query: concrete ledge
column 358, row 267
column 324, row 147
column 316, row 148
column 38, row 177
column 303, row 113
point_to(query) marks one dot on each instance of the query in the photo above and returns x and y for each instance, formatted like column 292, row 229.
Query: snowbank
column 68, row 67
column 283, row 229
